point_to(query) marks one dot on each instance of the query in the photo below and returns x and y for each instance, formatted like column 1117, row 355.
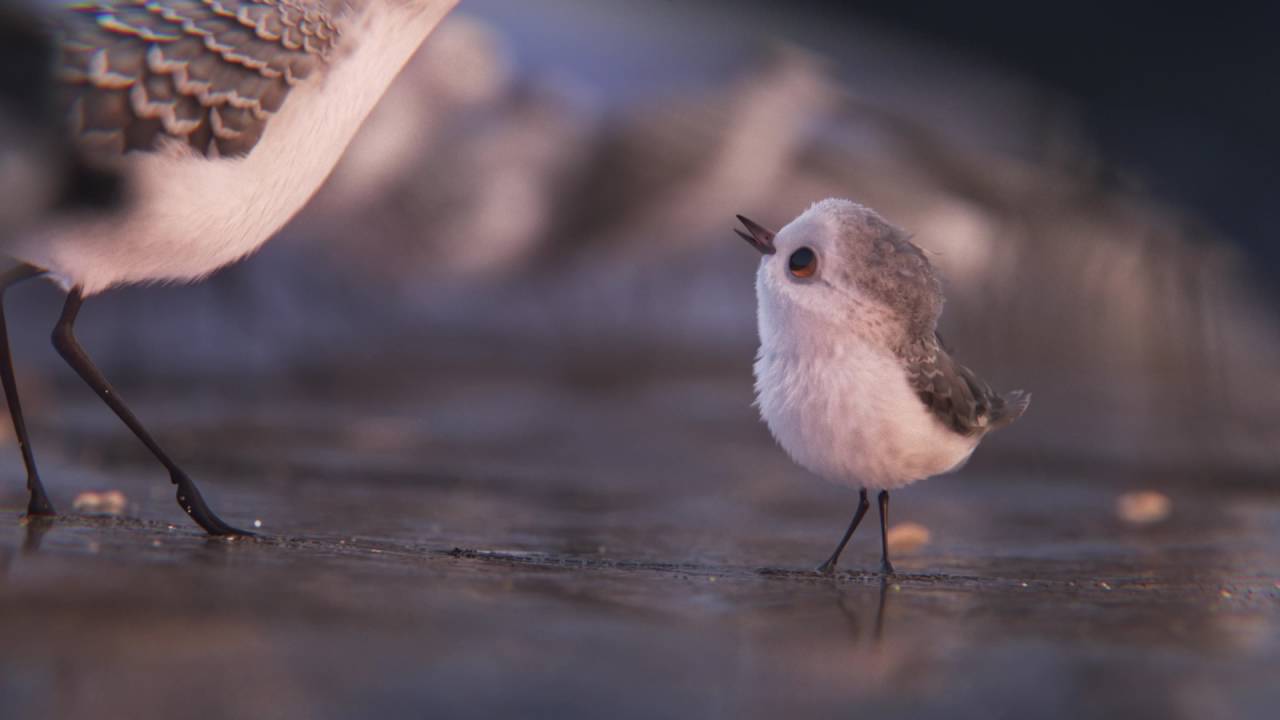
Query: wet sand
column 498, row 544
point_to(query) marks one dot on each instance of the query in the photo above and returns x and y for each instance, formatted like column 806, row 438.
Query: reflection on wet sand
column 855, row 627
column 36, row 529
column 650, row 559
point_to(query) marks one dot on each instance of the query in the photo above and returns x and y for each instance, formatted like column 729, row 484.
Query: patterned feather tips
column 957, row 396
column 206, row 73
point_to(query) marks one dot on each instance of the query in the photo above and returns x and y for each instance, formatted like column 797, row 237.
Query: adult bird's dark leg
column 69, row 348
column 829, row 566
column 885, row 566
column 37, row 501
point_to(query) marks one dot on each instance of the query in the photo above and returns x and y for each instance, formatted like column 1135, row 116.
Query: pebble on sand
column 1143, row 507
column 908, row 537
column 108, row 502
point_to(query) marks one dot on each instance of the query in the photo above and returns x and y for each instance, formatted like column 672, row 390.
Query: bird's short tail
column 1012, row 405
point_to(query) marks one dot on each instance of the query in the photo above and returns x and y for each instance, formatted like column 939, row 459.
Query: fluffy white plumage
column 846, row 413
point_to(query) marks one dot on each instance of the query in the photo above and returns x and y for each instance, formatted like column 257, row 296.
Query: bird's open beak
column 760, row 238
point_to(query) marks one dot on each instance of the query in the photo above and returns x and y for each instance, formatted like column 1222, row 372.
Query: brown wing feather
column 955, row 395
column 208, row 73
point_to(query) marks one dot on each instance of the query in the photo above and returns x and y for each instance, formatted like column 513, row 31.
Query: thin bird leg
column 37, row 501
column 886, row 568
column 68, row 347
column 829, row 566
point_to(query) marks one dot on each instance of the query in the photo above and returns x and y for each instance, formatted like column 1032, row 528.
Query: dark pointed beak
column 760, row 238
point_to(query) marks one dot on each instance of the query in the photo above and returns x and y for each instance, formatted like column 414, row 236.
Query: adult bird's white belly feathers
column 224, row 116
column 851, row 376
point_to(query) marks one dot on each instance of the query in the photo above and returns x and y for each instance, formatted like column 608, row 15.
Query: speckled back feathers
column 205, row 73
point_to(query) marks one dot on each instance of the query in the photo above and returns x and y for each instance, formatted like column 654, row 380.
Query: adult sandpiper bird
column 852, row 378
column 224, row 116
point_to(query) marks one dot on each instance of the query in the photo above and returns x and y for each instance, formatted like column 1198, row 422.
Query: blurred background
column 561, row 178
column 516, row 321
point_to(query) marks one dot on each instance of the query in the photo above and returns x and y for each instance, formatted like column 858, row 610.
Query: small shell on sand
column 109, row 502
column 908, row 537
column 1144, row 507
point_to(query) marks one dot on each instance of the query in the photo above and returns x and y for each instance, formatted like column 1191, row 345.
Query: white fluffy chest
column 849, row 415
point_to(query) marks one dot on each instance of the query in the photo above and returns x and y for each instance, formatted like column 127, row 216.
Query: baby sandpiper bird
column 851, row 376
column 224, row 117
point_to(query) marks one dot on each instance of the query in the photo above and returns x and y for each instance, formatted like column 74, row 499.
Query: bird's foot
column 193, row 504
column 828, row 568
column 38, row 504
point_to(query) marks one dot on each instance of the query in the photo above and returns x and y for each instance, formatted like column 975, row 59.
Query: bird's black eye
column 803, row 263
